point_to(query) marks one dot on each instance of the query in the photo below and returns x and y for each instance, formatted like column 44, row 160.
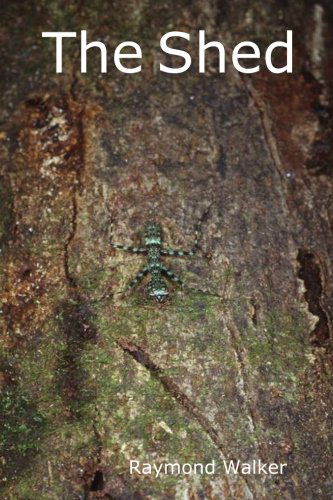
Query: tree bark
column 237, row 364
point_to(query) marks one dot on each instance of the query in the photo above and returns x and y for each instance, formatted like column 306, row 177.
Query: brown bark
column 242, row 369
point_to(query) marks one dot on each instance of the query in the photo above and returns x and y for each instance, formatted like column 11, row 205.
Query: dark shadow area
column 75, row 326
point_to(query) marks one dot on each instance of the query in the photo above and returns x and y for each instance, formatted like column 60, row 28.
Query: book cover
column 166, row 249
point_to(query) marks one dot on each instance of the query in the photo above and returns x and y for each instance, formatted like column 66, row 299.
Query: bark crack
column 245, row 391
column 78, row 165
column 252, row 416
column 309, row 273
column 69, row 276
column 267, row 128
column 143, row 358
column 95, row 481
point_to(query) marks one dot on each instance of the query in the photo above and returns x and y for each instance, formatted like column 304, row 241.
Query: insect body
column 157, row 286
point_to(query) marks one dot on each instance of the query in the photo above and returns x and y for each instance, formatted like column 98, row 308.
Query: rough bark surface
column 91, row 378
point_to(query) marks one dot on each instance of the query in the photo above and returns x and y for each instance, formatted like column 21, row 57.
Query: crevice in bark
column 142, row 357
column 242, row 371
column 97, row 483
column 309, row 273
column 76, row 326
column 254, row 312
column 79, row 167
column 270, row 140
column 222, row 163
column 321, row 153
column 69, row 277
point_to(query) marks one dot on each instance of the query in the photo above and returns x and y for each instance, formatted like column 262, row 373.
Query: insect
column 153, row 249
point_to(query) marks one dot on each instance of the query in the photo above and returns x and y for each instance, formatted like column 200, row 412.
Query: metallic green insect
column 156, row 287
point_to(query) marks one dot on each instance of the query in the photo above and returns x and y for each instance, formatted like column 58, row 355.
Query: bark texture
column 241, row 370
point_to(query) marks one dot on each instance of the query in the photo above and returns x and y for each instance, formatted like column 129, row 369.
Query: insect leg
column 138, row 277
column 128, row 248
column 170, row 274
column 178, row 253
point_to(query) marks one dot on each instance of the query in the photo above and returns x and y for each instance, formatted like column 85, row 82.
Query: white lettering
column 172, row 467
column 246, row 468
column 262, row 467
column 210, row 468
column 134, row 467
column 118, row 55
column 146, row 469
column 236, row 56
column 158, row 470
column 289, row 46
column 202, row 52
column 281, row 467
column 188, row 467
column 231, row 467
column 58, row 35
column 196, row 467
column 175, row 52
column 85, row 47
column 273, row 469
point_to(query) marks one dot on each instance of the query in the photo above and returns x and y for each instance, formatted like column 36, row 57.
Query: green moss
column 280, row 350
column 122, row 399
column 23, row 427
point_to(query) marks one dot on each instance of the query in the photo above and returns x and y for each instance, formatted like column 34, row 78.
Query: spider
column 156, row 287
